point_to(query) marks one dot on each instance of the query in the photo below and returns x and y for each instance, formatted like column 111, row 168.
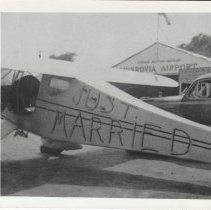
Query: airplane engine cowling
column 23, row 93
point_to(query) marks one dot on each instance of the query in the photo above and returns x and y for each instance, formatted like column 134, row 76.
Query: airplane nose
column 23, row 94
column 5, row 92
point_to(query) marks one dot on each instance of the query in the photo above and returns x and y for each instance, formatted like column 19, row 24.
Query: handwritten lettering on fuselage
column 94, row 101
column 97, row 124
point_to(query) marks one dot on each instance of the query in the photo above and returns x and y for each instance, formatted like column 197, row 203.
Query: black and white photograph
column 106, row 105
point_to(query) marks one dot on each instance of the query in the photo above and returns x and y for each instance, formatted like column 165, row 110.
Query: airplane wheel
column 131, row 152
column 50, row 151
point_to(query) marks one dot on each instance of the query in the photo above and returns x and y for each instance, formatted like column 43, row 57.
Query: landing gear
column 50, row 151
column 53, row 147
column 50, row 147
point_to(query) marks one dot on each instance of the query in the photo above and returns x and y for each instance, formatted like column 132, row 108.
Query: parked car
column 194, row 104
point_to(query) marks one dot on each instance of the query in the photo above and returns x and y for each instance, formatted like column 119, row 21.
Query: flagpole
column 157, row 38
column 157, row 28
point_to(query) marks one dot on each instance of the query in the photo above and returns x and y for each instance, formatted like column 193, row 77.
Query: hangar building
column 178, row 64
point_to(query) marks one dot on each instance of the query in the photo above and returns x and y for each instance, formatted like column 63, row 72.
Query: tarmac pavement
column 98, row 172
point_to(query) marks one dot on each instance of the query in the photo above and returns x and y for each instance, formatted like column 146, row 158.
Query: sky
column 101, row 39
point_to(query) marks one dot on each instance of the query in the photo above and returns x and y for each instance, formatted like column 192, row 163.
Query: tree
column 200, row 44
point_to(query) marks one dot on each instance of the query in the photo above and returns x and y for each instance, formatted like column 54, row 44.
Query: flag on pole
column 165, row 17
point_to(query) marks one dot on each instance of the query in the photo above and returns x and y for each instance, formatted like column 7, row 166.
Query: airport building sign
column 164, row 60
column 188, row 75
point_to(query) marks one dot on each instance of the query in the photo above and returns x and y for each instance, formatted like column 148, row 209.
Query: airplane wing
column 38, row 66
column 69, row 69
column 139, row 78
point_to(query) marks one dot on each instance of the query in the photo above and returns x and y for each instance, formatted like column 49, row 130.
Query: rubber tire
column 131, row 152
column 50, row 151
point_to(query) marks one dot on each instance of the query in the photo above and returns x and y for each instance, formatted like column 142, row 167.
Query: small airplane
column 68, row 106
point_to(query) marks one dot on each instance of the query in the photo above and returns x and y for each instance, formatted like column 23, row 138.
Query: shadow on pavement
column 85, row 169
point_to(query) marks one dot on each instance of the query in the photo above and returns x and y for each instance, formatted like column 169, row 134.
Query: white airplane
column 69, row 105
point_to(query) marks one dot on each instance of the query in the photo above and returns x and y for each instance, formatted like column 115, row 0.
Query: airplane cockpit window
column 201, row 90
column 58, row 86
